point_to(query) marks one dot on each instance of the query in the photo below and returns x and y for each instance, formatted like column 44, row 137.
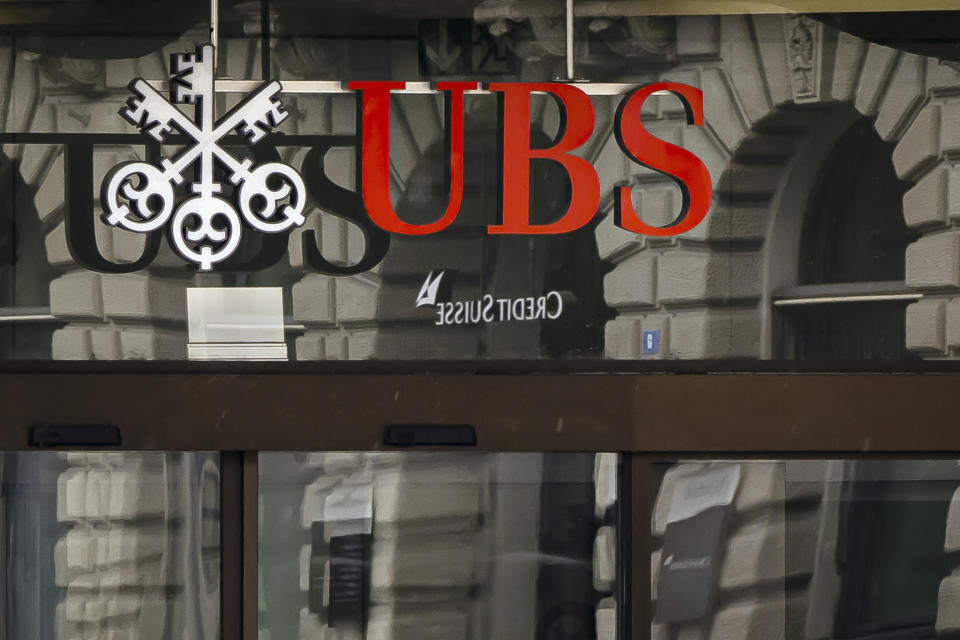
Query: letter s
column 342, row 203
column 686, row 169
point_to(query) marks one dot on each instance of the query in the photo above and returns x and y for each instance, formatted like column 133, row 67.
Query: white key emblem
column 206, row 227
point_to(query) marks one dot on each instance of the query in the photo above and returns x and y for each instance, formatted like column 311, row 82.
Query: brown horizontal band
column 695, row 415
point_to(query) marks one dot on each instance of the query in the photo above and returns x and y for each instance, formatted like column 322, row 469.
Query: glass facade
column 476, row 180
column 827, row 140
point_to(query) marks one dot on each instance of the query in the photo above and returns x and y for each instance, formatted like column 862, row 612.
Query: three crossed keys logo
column 206, row 228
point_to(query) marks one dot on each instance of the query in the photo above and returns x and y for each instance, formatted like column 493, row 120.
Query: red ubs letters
column 577, row 114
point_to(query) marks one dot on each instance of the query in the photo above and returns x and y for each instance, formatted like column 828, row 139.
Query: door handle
column 422, row 435
column 86, row 435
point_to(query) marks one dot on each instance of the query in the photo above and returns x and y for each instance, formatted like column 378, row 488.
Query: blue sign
column 651, row 341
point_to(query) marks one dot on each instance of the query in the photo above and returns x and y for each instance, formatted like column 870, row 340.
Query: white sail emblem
column 205, row 228
column 430, row 288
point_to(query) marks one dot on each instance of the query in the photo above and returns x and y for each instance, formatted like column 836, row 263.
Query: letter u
column 374, row 120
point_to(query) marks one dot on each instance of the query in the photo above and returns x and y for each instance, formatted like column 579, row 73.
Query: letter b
column 576, row 125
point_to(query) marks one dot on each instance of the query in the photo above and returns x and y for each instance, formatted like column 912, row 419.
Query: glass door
column 438, row 546
column 110, row 545
column 859, row 549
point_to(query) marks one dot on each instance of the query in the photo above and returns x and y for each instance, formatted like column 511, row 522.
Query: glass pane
column 824, row 157
column 413, row 41
column 806, row 549
column 438, row 546
column 110, row 545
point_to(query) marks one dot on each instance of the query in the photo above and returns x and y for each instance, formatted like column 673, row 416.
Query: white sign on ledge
column 235, row 323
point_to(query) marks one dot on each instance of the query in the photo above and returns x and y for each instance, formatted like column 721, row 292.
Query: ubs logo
column 205, row 228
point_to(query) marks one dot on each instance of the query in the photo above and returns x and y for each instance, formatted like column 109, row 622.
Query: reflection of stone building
column 813, row 546
column 713, row 292
column 781, row 94
column 831, row 159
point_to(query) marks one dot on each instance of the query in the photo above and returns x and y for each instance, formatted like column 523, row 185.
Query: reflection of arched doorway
column 836, row 259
